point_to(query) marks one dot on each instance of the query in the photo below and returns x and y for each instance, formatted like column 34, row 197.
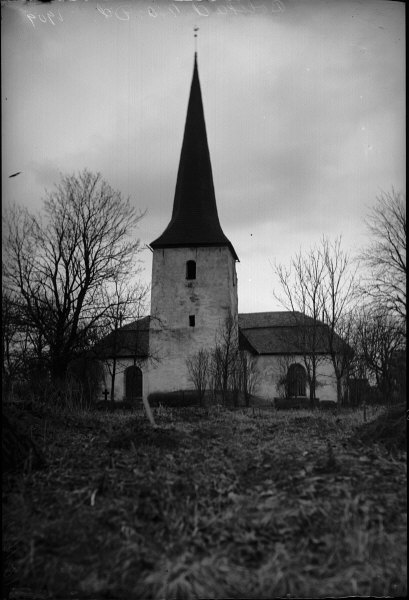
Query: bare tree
column 126, row 302
column 59, row 265
column 12, row 360
column 339, row 285
column 198, row 369
column 224, row 358
column 379, row 342
column 320, row 289
column 225, row 369
column 248, row 375
column 385, row 256
column 119, row 335
column 281, row 376
column 22, row 346
column 302, row 294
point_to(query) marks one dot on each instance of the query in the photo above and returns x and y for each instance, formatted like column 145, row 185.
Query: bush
column 108, row 405
column 175, row 399
column 327, row 405
column 284, row 403
column 85, row 375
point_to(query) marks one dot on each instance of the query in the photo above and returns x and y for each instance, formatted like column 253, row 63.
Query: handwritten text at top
column 125, row 12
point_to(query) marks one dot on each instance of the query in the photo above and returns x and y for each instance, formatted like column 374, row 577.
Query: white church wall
column 271, row 367
column 327, row 382
column 119, row 384
column 169, row 376
column 120, row 377
column 155, row 377
column 267, row 370
column 172, row 375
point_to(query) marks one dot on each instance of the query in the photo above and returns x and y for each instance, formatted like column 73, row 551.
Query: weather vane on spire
column 195, row 29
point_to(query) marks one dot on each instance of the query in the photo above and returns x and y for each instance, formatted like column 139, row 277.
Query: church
column 194, row 292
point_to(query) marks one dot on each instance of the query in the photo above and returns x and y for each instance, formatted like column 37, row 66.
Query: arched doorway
column 133, row 384
column 296, row 379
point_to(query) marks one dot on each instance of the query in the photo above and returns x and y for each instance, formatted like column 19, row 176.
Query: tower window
column 191, row 269
column 192, row 320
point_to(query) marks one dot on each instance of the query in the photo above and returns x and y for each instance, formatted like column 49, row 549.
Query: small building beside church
column 195, row 290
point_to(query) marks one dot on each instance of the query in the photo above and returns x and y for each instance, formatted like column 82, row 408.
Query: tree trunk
column 18, row 449
column 58, row 368
column 312, row 385
column 112, row 396
column 339, row 390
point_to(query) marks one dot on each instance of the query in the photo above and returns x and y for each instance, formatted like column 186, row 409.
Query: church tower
column 194, row 282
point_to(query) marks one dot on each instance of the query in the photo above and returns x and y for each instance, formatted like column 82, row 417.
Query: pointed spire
column 194, row 221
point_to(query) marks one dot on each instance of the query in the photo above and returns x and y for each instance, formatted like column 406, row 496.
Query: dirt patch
column 204, row 433
column 316, row 424
column 168, row 439
column 192, row 415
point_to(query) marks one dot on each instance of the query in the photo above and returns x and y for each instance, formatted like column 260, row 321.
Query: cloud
column 304, row 111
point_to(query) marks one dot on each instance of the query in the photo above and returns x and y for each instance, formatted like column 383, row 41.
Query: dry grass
column 253, row 504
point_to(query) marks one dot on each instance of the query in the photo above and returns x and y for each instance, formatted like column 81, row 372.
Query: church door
column 296, row 379
column 133, row 384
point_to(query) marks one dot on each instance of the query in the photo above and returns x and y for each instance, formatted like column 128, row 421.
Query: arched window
column 296, row 380
column 191, row 269
column 133, row 384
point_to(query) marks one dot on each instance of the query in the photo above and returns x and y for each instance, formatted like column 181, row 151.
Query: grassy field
column 244, row 504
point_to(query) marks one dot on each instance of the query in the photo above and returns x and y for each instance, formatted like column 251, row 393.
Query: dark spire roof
column 194, row 221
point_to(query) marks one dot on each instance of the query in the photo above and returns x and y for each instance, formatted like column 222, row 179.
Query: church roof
column 131, row 340
column 195, row 220
column 269, row 319
column 283, row 332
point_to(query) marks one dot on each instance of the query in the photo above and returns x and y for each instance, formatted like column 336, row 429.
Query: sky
column 304, row 104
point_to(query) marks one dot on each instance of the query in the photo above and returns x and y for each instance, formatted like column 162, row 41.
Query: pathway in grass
column 208, row 505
